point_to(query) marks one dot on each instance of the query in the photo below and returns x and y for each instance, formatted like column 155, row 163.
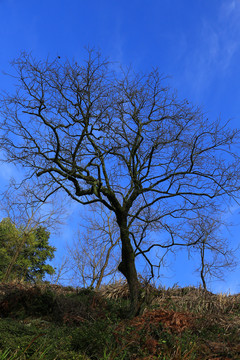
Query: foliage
column 93, row 338
column 101, row 332
column 27, row 302
column 32, row 249
column 37, row 251
column 9, row 237
column 36, row 340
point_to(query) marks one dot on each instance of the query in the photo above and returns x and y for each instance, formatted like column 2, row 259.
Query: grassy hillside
column 54, row 322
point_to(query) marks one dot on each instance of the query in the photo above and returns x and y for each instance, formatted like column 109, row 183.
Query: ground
column 47, row 321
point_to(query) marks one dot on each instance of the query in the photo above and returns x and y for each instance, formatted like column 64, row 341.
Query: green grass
column 49, row 323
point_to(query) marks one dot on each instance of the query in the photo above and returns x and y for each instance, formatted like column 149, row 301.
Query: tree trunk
column 103, row 268
column 203, row 266
column 128, row 269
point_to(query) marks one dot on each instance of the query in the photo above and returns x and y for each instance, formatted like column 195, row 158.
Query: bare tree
column 94, row 255
column 216, row 255
column 62, row 270
column 123, row 140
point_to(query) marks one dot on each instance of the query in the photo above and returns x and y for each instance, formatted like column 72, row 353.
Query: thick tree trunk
column 128, row 269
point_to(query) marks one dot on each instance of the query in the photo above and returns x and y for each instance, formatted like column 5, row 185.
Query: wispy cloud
column 230, row 8
column 217, row 44
column 229, row 29
column 8, row 171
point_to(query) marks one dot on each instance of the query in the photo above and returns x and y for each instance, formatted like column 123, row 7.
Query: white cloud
column 215, row 48
column 230, row 9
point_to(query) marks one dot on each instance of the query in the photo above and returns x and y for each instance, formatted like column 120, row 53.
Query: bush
column 28, row 302
column 93, row 338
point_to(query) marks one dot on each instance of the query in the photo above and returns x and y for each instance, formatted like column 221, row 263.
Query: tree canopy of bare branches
column 94, row 255
column 121, row 139
column 215, row 251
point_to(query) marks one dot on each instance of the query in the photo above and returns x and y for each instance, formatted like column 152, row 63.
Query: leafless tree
column 123, row 140
column 94, row 255
column 215, row 253
column 62, row 269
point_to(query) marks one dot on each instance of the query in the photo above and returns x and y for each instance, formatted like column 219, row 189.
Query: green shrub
column 93, row 338
column 43, row 304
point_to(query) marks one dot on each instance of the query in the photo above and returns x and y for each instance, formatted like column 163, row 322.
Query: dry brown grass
column 191, row 299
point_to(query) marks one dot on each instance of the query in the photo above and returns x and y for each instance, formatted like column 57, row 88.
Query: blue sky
column 196, row 43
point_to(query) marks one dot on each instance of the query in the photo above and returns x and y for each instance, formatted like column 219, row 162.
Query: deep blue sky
column 196, row 43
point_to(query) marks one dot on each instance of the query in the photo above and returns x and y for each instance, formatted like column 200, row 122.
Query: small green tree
column 9, row 236
column 35, row 251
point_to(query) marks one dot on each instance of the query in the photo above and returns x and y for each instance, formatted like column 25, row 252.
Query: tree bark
column 203, row 266
column 103, row 268
column 128, row 269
